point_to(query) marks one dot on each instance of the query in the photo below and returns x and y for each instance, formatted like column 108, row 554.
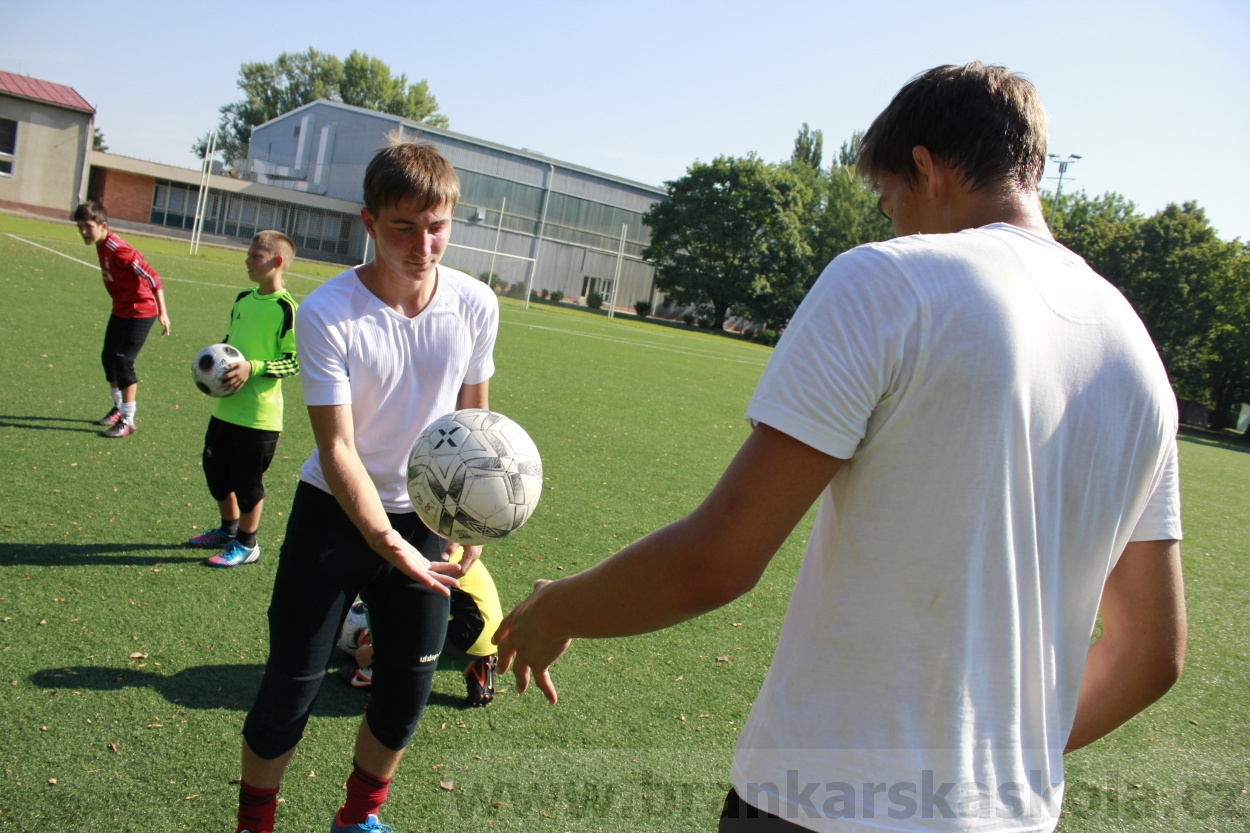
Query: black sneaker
column 356, row 677
column 121, row 428
column 480, row 679
column 111, row 418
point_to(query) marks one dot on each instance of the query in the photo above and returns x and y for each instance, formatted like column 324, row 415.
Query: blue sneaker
column 370, row 825
column 211, row 540
column 235, row 555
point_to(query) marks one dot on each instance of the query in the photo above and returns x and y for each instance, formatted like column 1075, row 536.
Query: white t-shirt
column 399, row 374
column 1008, row 428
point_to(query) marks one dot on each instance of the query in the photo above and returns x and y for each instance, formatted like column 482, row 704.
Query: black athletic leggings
column 324, row 563
column 123, row 339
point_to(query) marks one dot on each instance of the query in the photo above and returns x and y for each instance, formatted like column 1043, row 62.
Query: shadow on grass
column 1217, row 439
column 78, row 555
column 31, row 423
column 230, row 687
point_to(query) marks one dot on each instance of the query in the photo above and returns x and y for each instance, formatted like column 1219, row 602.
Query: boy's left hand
column 467, row 560
column 236, row 376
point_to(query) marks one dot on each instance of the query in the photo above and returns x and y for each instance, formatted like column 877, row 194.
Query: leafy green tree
column 97, row 140
column 730, row 238
column 848, row 216
column 367, row 82
column 299, row 78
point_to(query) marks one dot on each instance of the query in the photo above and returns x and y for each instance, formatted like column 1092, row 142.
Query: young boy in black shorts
column 138, row 302
column 244, row 428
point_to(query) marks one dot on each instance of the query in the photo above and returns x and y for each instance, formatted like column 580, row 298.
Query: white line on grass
column 96, row 266
column 696, row 353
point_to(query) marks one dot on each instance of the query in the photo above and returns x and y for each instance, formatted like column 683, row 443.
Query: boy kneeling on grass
column 475, row 614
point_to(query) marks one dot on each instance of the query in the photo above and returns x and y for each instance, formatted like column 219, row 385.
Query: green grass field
column 127, row 668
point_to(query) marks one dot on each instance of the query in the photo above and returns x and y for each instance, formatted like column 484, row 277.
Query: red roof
column 45, row 91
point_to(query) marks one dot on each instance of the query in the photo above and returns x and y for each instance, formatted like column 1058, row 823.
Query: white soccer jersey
column 1008, row 428
column 398, row 374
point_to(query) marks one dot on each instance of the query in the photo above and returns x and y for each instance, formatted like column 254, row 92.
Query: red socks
column 365, row 794
column 256, row 808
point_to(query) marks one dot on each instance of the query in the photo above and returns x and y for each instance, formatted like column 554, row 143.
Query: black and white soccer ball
column 354, row 626
column 474, row 476
column 210, row 365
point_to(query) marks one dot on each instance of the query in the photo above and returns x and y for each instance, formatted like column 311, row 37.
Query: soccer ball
column 353, row 627
column 474, row 476
column 210, row 364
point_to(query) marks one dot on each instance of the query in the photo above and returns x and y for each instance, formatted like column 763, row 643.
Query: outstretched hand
column 525, row 649
column 438, row 576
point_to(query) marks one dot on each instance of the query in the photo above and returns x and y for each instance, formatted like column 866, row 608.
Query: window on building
column 8, row 145
column 173, row 204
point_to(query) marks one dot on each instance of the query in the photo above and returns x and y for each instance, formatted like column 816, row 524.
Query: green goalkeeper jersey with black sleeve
column 262, row 327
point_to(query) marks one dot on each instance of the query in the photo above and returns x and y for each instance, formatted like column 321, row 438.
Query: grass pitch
column 126, row 667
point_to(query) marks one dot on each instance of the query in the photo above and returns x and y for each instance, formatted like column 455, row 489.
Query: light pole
column 1063, row 169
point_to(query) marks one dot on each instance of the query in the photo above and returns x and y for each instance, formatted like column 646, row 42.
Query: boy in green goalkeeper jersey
column 243, row 431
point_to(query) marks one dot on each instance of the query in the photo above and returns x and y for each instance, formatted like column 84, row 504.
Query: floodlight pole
column 1063, row 169
column 201, row 202
column 616, row 278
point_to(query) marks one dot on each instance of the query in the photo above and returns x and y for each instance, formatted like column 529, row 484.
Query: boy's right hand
column 432, row 574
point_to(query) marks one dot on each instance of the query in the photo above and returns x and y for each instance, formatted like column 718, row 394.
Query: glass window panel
column 8, row 137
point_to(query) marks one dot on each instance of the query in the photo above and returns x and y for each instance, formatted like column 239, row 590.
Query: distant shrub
column 594, row 300
column 517, row 290
column 488, row 277
column 557, row 296
column 643, row 308
column 545, row 293
column 705, row 323
column 763, row 336
column 689, row 319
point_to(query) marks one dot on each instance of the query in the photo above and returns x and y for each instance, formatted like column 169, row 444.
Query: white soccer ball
column 210, row 365
column 474, row 476
column 353, row 626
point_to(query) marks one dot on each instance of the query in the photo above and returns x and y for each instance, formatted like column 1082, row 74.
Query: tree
column 729, row 238
column 97, row 140
column 848, row 216
column 296, row 79
column 367, row 82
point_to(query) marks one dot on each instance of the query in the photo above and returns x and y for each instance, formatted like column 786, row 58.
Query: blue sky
column 1154, row 96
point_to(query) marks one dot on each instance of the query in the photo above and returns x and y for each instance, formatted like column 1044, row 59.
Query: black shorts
column 123, row 338
column 323, row 565
column 736, row 816
column 235, row 460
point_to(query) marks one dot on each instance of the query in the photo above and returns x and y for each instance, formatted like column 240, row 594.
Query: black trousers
column 736, row 816
column 323, row 565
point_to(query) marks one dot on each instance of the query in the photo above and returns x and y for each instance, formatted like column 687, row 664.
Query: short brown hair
column 984, row 121
column 90, row 211
column 278, row 243
column 407, row 170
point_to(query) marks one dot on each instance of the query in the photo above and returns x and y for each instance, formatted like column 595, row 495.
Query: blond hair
column 277, row 243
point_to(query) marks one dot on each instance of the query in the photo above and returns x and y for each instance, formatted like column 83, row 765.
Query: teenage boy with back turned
column 991, row 436
column 385, row 349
